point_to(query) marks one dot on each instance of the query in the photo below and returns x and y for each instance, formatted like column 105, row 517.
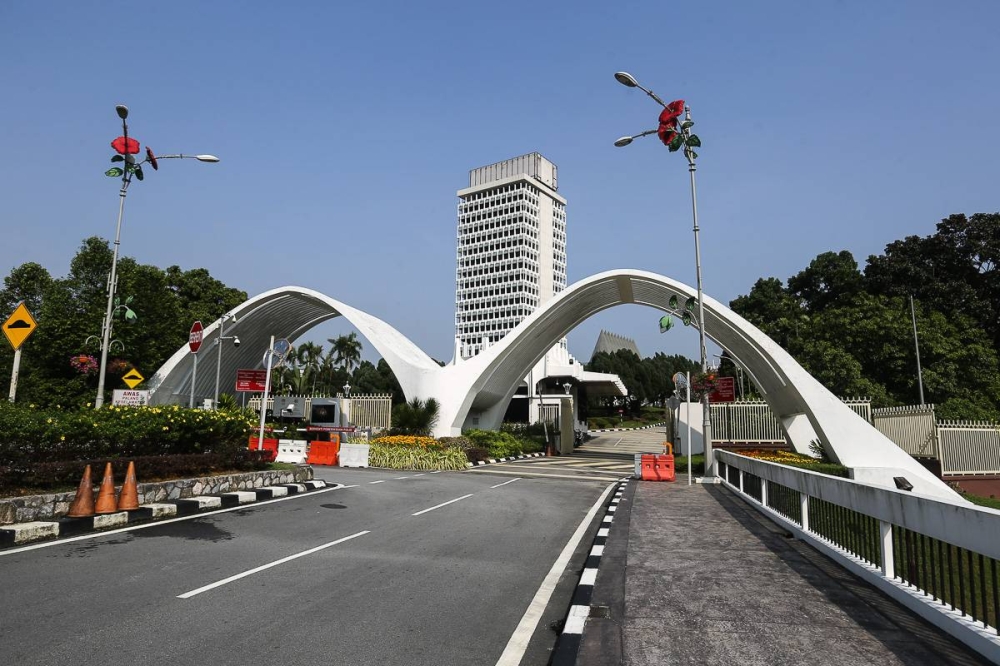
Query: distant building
column 511, row 259
column 611, row 342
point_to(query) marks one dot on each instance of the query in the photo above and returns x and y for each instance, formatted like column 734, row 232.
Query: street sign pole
column 13, row 374
column 267, row 387
column 194, row 344
column 194, row 377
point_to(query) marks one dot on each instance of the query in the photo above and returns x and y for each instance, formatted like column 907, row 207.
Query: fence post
column 885, row 533
column 804, row 505
column 741, row 479
column 763, row 491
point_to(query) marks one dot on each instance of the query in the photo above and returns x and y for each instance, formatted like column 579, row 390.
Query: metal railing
column 936, row 557
column 969, row 447
column 753, row 422
column 913, row 428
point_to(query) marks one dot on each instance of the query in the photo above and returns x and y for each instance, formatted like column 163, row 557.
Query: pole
column 916, row 344
column 194, row 376
column 218, row 360
column 268, row 355
column 13, row 374
column 112, row 285
column 706, row 414
column 688, row 419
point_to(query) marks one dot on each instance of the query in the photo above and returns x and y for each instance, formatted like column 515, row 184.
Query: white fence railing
column 969, row 447
column 919, row 551
column 753, row 422
column 913, row 428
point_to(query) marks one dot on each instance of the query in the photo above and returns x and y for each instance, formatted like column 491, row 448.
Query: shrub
column 502, row 444
column 393, row 456
column 476, row 453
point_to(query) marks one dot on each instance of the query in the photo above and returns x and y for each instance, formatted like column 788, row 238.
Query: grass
column 989, row 502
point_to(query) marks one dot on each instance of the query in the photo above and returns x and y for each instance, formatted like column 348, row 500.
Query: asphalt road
column 396, row 568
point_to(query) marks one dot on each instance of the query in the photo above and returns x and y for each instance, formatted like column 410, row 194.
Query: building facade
column 511, row 249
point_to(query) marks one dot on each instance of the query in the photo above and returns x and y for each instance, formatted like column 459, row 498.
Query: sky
column 345, row 130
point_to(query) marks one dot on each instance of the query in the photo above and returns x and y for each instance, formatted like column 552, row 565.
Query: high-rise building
column 511, row 248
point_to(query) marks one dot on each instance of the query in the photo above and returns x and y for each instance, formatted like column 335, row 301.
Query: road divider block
column 12, row 535
column 238, row 498
column 190, row 505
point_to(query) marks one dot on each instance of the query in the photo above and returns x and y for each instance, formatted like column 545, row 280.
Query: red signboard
column 725, row 390
column 195, row 336
column 251, row 380
column 313, row 428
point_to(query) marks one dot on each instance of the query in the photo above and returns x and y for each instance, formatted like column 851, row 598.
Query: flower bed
column 792, row 459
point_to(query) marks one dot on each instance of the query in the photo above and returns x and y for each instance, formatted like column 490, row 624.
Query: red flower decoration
column 666, row 134
column 120, row 145
column 672, row 112
column 152, row 159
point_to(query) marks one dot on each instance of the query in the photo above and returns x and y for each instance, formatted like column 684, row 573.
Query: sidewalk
column 694, row 575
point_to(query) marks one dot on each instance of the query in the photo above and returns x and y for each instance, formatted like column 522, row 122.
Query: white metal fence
column 753, row 422
column 913, row 428
column 969, row 447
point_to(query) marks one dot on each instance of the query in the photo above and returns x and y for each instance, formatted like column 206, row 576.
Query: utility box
column 325, row 412
column 289, row 407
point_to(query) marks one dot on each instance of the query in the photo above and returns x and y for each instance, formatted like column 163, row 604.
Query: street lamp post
column 126, row 149
column 676, row 134
column 218, row 359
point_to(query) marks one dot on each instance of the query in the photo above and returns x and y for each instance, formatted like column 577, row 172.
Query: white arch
column 482, row 386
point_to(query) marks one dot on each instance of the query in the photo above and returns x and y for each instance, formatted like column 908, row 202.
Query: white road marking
column 224, row 581
column 371, row 482
column 457, row 499
column 589, row 576
column 620, row 441
column 195, row 516
column 400, row 478
column 586, row 476
column 597, row 550
column 576, row 619
column 518, row 642
column 603, row 532
column 505, row 483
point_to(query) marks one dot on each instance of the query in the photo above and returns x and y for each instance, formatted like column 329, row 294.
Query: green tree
column 346, row 350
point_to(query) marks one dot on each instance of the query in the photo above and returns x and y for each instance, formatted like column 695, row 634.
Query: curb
column 18, row 534
column 492, row 461
column 568, row 646
column 655, row 425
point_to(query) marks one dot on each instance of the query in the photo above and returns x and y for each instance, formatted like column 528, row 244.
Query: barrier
column 324, row 453
column 270, row 445
column 655, row 467
column 354, row 455
column 291, row 451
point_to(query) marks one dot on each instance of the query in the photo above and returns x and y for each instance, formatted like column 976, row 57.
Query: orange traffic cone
column 128, row 499
column 106, row 495
column 83, row 503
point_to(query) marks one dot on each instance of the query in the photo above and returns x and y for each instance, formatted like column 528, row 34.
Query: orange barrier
column 106, row 495
column 324, row 453
column 658, row 467
column 128, row 498
column 270, row 445
column 83, row 503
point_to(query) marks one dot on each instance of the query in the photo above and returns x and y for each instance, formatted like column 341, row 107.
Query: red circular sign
column 194, row 338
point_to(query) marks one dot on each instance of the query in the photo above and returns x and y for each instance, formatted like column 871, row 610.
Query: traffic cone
column 128, row 498
column 106, row 495
column 83, row 503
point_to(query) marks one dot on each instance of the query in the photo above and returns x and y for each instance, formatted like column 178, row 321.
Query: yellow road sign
column 19, row 326
column 133, row 378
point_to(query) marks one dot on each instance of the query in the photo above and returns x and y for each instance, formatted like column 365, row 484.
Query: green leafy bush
column 31, row 438
column 501, row 444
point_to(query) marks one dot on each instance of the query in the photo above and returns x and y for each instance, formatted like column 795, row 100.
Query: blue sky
column 346, row 128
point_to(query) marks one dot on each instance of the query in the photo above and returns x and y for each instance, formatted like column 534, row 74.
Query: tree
column 415, row 417
column 831, row 279
column 346, row 350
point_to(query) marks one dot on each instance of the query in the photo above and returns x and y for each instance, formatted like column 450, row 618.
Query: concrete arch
column 482, row 386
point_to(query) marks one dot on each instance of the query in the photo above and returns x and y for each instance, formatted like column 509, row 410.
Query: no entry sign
column 194, row 337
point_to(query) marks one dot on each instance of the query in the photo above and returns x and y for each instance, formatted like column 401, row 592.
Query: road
column 457, row 568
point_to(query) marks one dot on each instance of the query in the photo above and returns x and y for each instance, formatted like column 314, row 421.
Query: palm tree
column 346, row 350
column 415, row 417
column 310, row 357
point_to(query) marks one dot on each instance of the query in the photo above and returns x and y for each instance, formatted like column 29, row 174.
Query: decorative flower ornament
column 125, row 146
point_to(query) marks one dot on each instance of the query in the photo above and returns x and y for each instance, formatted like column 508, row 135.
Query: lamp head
column 122, row 111
column 236, row 341
column 624, row 141
column 626, row 79
column 206, row 158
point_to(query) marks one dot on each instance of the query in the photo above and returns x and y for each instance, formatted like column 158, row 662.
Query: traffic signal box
column 658, row 467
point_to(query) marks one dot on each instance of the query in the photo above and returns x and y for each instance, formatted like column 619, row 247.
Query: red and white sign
column 251, row 380
column 313, row 428
column 195, row 336
column 725, row 390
